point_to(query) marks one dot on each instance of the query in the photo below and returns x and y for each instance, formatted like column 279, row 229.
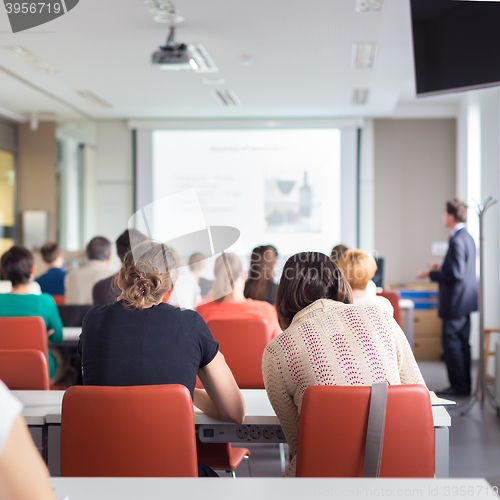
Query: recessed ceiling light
column 364, row 54
column 33, row 60
column 359, row 96
column 362, row 5
column 226, row 97
column 368, row 5
column 93, row 98
column 214, row 81
column 377, row 5
column 163, row 11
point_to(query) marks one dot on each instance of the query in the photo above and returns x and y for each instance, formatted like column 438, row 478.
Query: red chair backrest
column 24, row 332
column 332, row 432
column 139, row 431
column 242, row 342
column 24, row 370
column 60, row 300
column 393, row 297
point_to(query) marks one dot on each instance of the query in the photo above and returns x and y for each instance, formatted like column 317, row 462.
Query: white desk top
column 252, row 488
column 71, row 333
column 45, row 407
column 406, row 304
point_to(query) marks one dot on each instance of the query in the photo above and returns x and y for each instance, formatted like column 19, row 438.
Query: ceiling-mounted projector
column 178, row 56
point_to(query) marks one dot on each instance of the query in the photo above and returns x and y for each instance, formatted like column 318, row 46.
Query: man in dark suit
column 458, row 294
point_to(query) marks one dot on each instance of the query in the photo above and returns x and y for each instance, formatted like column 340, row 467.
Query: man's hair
column 50, row 252
column 123, row 242
column 16, row 265
column 99, row 248
column 458, row 209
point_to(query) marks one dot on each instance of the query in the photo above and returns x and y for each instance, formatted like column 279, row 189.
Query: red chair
column 24, row 332
column 332, row 432
column 242, row 342
column 60, row 300
column 138, row 431
column 393, row 297
column 222, row 456
column 24, row 370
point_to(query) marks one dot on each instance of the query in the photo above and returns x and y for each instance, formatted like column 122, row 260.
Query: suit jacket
column 458, row 287
column 106, row 292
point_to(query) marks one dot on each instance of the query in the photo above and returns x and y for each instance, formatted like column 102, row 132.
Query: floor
column 474, row 440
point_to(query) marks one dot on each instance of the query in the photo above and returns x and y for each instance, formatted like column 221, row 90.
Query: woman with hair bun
column 141, row 340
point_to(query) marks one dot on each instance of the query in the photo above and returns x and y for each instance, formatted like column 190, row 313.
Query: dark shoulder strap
column 375, row 430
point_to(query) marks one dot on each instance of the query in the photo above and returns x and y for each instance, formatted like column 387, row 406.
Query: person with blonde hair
column 229, row 299
column 359, row 268
column 141, row 340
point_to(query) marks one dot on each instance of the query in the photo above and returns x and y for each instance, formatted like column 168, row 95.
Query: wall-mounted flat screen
column 456, row 45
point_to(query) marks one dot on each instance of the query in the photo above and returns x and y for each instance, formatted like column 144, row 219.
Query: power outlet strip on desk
column 230, row 433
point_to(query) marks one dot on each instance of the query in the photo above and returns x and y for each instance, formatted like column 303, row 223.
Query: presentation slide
column 279, row 187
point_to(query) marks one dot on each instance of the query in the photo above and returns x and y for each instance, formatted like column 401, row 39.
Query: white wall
column 111, row 182
column 414, row 176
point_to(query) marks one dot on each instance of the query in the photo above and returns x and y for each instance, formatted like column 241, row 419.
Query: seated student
column 197, row 264
column 80, row 283
column 23, row 474
column 359, row 268
column 17, row 266
column 140, row 340
column 106, row 291
column 337, row 252
column 230, row 302
column 52, row 282
column 355, row 344
column 260, row 283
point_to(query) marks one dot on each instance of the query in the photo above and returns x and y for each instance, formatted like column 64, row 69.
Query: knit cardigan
column 331, row 343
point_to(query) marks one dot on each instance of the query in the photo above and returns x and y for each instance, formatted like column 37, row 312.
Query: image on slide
column 292, row 201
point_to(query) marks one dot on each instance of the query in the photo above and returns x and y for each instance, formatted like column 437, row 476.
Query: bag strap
column 375, row 430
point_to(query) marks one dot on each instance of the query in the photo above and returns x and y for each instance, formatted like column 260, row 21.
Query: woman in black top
column 141, row 340
column 260, row 283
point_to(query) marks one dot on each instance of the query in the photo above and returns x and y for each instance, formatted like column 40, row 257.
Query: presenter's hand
column 422, row 275
column 435, row 266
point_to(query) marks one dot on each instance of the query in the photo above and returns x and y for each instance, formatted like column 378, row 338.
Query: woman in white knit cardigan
column 328, row 341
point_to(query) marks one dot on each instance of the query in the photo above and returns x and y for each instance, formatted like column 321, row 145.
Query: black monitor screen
column 456, row 44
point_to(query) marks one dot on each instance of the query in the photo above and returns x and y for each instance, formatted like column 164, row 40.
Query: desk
column 71, row 334
column 43, row 409
column 408, row 306
column 276, row 488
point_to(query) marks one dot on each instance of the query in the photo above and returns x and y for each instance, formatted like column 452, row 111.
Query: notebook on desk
column 435, row 401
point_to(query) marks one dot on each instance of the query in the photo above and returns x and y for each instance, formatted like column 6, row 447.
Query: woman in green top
column 17, row 266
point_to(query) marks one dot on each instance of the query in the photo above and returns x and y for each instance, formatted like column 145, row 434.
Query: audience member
column 106, row 291
column 359, row 267
column 80, row 283
column 52, row 282
column 352, row 344
column 187, row 293
column 18, row 268
column 23, row 474
column 337, row 252
column 140, row 340
column 197, row 264
column 230, row 302
column 260, row 283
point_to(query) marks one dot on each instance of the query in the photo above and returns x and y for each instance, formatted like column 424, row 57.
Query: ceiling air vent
column 226, row 97
column 359, row 96
column 93, row 98
column 364, row 54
